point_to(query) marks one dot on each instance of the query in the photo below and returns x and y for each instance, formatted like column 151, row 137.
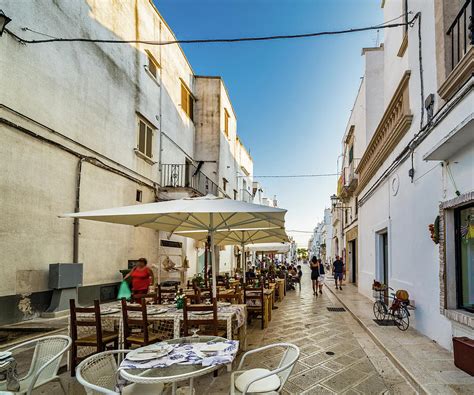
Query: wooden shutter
column 141, row 136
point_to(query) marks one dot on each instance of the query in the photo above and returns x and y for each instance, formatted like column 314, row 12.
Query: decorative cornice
column 458, row 76
column 394, row 124
column 403, row 46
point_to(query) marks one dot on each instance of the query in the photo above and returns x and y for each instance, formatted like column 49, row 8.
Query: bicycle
column 398, row 311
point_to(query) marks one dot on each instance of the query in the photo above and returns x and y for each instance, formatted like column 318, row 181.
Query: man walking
column 338, row 271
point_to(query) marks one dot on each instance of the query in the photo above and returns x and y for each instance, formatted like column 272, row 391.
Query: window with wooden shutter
column 145, row 137
column 187, row 101
column 153, row 64
column 226, row 122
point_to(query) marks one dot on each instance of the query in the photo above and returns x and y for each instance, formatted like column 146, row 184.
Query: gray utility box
column 65, row 275
column 64, row 278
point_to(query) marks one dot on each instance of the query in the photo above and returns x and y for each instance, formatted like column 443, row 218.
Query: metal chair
column 261, row 380
column 98, row 375
column 45, row 362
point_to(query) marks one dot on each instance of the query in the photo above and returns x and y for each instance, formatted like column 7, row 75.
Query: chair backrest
column 254, row 294
column 135, row 320
column 98, row 373
column 189, row 322
column 46, row 358
column 167, row 294
column 150, row 298
column 288, row 361
column 92, row 319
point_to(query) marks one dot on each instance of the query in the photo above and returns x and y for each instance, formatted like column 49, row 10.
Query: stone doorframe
column 447, row 263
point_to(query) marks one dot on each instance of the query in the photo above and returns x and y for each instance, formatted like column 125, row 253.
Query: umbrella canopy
column 243, row 236
column 277, row 248
column 208, row 213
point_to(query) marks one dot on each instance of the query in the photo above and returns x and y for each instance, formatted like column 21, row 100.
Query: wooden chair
column 98, row 339
column 254, row 299
column 150, row 298
column 208, row 325
column 166, row 294
column 136, row 330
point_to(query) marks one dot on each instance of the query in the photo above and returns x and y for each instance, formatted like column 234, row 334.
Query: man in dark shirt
column 338, row 271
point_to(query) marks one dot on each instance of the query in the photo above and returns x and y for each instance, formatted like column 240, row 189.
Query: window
column 356, row 206
column 235, row 194
column 351, row 154
column 153, row 64
column 139, row 196
column 187, row 101
column 464, row 233
column 226, row 122
column 224, row 184
column 145, row 137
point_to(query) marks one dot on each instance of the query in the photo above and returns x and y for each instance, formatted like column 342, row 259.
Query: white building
column 418, row 165
column 320, row 243
column 89, row 125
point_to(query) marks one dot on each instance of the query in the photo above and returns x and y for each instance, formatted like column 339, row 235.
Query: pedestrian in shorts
column 338, row 271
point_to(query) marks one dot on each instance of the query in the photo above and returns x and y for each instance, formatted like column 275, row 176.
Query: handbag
column 124, row 291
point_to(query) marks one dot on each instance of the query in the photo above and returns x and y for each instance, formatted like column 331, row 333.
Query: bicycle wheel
column 379, row 310
column 401, row 317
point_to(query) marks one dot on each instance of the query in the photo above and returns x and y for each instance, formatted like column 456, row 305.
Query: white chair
column 264, row 381
column 45, row 362
column 98, row 375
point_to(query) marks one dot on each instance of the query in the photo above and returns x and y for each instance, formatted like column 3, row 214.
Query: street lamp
column 4, row 21
column 335, row 201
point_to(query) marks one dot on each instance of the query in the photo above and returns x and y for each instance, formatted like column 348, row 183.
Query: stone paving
column 337, row 355
column 429, row 364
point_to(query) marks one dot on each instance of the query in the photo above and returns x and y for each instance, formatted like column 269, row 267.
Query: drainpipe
column 77, row 207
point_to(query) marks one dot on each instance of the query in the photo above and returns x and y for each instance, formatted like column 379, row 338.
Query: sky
column 292, row 98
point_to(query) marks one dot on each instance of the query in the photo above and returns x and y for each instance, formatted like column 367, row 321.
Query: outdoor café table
column 183, row 363
column 233, row 313
column 280, row 283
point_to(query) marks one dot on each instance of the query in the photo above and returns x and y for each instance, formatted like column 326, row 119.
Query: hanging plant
column 434, row 230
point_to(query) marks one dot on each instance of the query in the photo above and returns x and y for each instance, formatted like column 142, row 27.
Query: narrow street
column 357, row 365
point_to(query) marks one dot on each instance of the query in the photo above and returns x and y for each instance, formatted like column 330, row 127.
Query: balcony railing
column 187, row 176
column 461, row 32
column 246, row 196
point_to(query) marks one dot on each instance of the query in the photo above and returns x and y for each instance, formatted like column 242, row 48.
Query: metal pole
column 213, row 260
column 244, row 262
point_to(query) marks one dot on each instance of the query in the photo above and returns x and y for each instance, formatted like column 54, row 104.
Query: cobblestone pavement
column 337, row 356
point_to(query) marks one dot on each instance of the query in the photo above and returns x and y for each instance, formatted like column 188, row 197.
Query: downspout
column 77, row 208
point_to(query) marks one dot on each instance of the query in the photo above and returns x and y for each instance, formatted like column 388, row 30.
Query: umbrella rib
column 198, row 220
column 224, row 221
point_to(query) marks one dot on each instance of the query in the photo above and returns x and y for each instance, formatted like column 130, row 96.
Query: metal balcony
column 461, row 32
column 187, row 176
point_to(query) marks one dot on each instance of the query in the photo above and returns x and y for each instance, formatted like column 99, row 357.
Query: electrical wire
column 293, row 175
column 212, row 40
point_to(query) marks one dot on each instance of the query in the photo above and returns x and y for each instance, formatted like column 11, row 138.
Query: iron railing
column 187, row 176
column 461, row 32
column 350, row 176
column 246, row 196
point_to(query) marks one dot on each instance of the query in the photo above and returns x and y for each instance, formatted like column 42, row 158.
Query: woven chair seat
column 107, row 337
column 138, row 338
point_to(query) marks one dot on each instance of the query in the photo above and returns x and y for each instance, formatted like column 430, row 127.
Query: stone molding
column 460, row 316
column 395, row 122
column 458, row 76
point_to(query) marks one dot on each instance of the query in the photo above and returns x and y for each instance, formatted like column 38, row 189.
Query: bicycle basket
column 379, row 294
column 402, row 295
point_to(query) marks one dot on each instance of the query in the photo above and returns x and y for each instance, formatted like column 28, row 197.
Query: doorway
column 353, row 260
column 382, row 258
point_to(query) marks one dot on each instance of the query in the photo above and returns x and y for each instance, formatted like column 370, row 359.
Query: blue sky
column 292, row 98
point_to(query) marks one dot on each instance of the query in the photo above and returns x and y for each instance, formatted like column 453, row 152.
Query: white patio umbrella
column 208, row 213
column 241, row 237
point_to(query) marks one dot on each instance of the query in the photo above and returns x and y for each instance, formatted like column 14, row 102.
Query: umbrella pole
column 244, row 263
column 213, row 260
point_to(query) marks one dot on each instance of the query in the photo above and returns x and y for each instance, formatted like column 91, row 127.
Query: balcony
column 185, row 178
column 350, row 179
column 246, row 196
column 460, row 50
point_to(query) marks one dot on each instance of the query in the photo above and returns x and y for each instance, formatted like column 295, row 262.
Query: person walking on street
column 314, row 274
column 338, row 271
column 321, row 276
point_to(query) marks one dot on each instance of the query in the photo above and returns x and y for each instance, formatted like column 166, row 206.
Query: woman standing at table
column 142, row 278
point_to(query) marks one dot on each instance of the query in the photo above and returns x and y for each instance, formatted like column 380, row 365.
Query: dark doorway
column 384, row 237
column 353, row 262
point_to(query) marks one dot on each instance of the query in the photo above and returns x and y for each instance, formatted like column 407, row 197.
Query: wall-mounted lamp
column 4, row 21
column 335, row 201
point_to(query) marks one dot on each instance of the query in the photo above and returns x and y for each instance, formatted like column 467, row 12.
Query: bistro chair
column 260, row 380
column 98, row 375
column 136, row 328
column 254, row 299
column 166, row 294
column 208, row 324
column 44, row 366
column 150, row 298
column 95, row 337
